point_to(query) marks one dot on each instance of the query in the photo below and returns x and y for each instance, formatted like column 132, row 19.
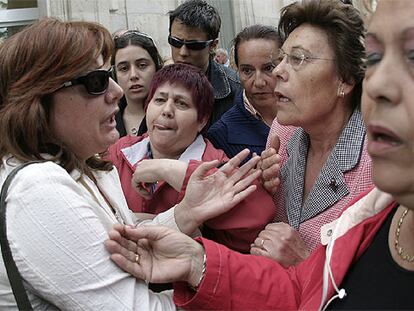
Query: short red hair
column 191, row 78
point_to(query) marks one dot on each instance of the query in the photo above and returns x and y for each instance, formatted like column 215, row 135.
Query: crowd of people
column 285, row 184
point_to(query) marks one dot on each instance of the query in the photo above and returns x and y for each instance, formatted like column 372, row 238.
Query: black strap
column 15, row 278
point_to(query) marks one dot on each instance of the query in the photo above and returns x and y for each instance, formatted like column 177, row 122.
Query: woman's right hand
column 156, row 254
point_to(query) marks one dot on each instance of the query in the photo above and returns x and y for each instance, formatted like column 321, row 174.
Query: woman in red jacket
column 178, row 107
column 368, row 257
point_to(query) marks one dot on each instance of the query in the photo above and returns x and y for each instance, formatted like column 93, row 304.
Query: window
column 15, row 15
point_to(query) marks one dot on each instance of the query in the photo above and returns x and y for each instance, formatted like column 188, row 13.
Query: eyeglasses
column 191, row 45
column 296, row 59
column 96, row 82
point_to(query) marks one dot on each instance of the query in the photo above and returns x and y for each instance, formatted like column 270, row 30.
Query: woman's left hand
column 208, row 196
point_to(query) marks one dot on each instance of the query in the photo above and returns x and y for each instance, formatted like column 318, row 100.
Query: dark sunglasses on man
column 191, row 44
column 96, row 82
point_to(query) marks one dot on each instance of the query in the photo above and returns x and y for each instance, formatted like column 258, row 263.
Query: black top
column 376, row 281
column 120, row 126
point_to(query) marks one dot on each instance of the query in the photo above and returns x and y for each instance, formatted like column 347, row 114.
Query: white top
column 57, row 224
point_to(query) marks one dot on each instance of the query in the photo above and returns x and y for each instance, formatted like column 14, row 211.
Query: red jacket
column 236, row 229
column 244, row 282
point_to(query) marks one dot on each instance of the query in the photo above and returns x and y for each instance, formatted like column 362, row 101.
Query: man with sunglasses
column 193, row 37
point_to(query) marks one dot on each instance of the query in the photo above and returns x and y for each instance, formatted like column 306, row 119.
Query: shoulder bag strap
column 15, row 278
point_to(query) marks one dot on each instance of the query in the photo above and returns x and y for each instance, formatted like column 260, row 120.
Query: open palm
column 208, row 196
column 165, row 255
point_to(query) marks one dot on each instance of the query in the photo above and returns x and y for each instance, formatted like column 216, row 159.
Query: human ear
column 202, row 124
column 344, row 88
column 213, row 46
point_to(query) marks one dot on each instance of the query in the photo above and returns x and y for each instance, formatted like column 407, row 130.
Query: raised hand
column 282, row 243
column 269, row 164
column 208, row 196
column 156, row 254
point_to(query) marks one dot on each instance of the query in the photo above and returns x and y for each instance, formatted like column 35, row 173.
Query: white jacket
column 57, row 224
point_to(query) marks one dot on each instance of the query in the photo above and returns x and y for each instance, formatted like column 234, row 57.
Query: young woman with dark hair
column 135, row 60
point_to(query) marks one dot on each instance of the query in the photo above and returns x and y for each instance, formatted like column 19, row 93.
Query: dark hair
column 199, row 14
column 137, row 38
column 34, row 63
column 345, row 29
column 255, row 32
column 191, row 78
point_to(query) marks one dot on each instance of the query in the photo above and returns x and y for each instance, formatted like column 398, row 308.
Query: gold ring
column 137, row 258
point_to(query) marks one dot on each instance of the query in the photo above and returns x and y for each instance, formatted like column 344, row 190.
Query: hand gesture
column 156, row 254
column 149, row 172
column 282, row 243
column 269, row 164
column 208, row 196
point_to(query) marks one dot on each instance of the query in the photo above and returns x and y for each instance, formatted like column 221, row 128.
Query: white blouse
column 57, row 224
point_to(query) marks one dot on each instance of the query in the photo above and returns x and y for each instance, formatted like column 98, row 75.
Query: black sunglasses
column 96, row 82
column 191, row 45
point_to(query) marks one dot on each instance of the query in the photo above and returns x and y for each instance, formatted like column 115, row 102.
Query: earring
column 341, row 92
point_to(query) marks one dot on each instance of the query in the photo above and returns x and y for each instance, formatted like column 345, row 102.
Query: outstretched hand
column 208, row 196
column 156, row 254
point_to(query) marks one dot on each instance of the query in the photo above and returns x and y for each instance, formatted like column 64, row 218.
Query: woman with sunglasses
column 179, row 105
column 368, row 260
column 57, row 107
column 324, row 164
column 135, row 60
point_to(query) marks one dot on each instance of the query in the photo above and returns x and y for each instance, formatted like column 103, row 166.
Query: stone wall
column 150, row 16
